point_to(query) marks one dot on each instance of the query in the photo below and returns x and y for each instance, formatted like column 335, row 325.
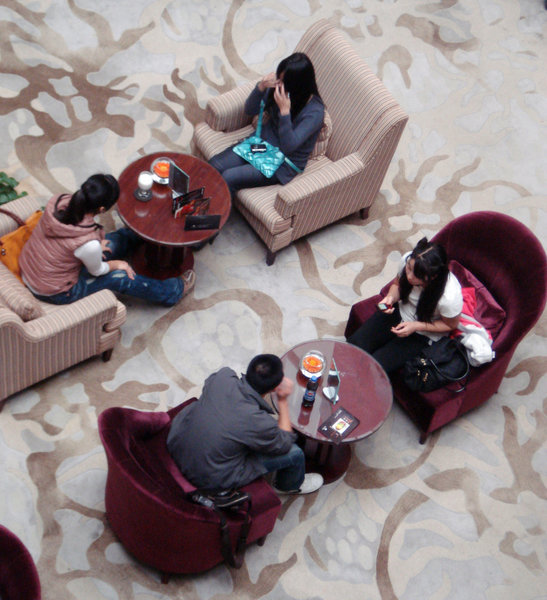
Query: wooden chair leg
column 363, row 213
column 270, row 257
column 107, row 355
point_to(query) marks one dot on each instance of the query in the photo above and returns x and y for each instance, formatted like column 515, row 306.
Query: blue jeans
column 238, row 173
column 122, row 243
column 290, row 468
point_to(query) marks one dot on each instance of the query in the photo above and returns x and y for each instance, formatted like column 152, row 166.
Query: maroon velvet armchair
column 18, row 575
column 146, row 497
column 507, row 258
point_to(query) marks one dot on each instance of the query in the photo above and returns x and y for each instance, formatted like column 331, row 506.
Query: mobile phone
column 258, row 148
column 382, row 306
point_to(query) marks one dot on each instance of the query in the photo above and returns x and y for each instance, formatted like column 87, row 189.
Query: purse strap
column 15, row 217
column 259, row 122
column 239, row 502
column 465, row 376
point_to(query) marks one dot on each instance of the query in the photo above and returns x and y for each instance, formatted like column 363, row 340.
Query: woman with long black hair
column 295, row 116
column 423, row 304
column 68, row 256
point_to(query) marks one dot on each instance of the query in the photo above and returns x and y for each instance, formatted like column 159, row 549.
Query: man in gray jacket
column 228, row 438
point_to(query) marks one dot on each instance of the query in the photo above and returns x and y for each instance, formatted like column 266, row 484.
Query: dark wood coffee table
column 365, row 391
column 166, row 249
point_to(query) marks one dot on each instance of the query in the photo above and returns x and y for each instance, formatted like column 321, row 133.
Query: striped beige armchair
column 39, row 339
column 354, row 149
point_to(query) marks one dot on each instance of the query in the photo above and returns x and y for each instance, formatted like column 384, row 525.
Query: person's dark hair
column 431, row 266
column 98, row 190
column 264, row 373
column 298, row 80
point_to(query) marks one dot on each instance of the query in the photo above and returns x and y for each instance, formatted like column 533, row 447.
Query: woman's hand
column 405, row 328
column 282, row 99
column 105, row 246
column 390, row 302
column 268, row 81
column 122, row 265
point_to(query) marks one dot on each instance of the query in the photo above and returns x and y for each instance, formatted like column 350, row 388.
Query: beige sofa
column 39, row 339
column 351, row 157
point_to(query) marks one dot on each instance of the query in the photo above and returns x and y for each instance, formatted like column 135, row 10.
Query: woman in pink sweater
column 68, row 255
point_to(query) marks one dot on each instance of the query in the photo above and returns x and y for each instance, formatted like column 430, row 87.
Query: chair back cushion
column 320, row 148
column 488, row 312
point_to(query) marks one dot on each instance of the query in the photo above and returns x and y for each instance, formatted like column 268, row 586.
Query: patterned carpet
column 89, row 86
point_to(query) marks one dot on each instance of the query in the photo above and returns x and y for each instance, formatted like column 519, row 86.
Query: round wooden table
column 365, row 392
column 166, row 249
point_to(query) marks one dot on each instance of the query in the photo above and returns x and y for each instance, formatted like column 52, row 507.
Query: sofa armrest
column 96, row 311
column 33, row 350
column 226, row 112
column 8, row 317
column 318, row 186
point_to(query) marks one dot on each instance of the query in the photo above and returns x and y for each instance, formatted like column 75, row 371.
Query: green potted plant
column 7, row 189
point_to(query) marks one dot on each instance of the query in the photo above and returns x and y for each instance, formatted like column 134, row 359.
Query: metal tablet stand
column 330, row 391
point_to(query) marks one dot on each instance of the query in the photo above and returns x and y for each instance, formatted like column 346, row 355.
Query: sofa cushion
column 488, row 312
column 17, row 297
column 321, row 144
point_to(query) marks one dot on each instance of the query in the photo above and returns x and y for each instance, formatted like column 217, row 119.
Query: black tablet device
column 194, row 222
column 179, row 181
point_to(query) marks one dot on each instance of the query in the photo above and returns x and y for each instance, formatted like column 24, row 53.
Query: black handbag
column 234, row 501
column 442, row 363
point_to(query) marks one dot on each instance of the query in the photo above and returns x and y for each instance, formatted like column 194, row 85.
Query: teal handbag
column 269, row 159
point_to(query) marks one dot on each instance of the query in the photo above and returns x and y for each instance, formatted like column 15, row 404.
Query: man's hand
column 284, row 389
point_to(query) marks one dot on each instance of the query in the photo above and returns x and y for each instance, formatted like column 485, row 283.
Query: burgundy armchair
column 18, row 575
column 516, row 278
column 146, row 497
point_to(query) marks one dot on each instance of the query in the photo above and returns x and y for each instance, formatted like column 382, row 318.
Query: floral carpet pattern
column 89, row 86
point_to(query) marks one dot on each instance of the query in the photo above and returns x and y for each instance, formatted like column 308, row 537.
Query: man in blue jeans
column 228, row 438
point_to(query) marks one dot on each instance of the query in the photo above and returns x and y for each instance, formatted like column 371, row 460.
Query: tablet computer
column 179, row 181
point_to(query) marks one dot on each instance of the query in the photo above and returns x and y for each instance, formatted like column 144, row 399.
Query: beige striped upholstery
column 33, row 348
column 225, row 112
column 347, row 168
column 17, row 297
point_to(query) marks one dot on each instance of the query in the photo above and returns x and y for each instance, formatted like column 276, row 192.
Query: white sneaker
column 312, row 482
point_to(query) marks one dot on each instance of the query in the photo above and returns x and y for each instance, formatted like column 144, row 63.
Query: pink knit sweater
column 47, row 260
